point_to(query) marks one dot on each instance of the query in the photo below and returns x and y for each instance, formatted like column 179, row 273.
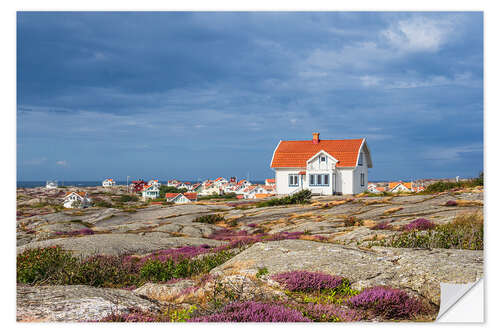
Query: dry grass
column 368, row 223
column 392, row 210
column 468, row 203
column 376, row 202
column 299, row 216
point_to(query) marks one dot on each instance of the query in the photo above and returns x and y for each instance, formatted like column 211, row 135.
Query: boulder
column 416, row 270
column 75, row 303
column 119, row 244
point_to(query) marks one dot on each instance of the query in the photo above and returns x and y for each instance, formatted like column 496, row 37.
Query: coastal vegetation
column 464, row 232
column 301, row 197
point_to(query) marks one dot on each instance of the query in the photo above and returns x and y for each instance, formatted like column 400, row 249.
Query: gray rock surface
column 419, row 271
column 75, row 303
column 118, row 244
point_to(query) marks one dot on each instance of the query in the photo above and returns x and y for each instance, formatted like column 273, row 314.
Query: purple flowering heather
column 382, row 226
column 387, row 302
column 253, row 312
column 451, row 203
column 252, row 225
column 307, row 281
column 135, row 316
column 329, row 312
column 419, row 224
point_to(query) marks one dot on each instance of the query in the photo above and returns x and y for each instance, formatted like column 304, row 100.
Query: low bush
column 451, row 203
column 385, row 225
column 301, row 197
column 46, row 264
column 329, row 313
column 55, row 266
column 387, row 303
column 253, row 312
column 307, row 281
column 465, row 232
column 127, row 198
column 351, row 221
column 419, row 224
column 84, row 231
column 158, row 271
column 218, row 196
column 210, row 219
column 262, row 271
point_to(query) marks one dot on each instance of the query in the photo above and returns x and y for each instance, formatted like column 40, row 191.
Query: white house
column 51, row 184
column 180, row 198
column 322, row 166
column 151, row 191
column 401, row 187
column 76, row 200
column 108, row 182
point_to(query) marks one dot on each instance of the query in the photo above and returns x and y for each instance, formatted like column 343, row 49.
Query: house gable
column 295, row 154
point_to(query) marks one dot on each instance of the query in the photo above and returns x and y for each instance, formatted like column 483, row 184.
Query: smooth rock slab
column 118, row 244
column 420, row 271
column 75, row 303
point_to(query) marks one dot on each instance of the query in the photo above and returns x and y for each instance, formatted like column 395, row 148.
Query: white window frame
column 295, row 177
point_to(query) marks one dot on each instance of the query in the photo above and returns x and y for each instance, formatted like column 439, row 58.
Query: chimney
column 315, row 138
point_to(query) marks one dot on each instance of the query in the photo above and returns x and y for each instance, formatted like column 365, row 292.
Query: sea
column 82, row 183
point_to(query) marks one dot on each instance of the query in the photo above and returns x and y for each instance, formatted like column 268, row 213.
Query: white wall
column 346, row 180
column 282, row 180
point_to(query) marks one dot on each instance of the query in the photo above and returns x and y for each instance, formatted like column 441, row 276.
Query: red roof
column 191, row 195
column 294, row 154
column 271, row 180
column 171, row 195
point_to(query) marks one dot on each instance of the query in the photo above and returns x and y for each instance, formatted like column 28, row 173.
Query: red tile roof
column 82, row 194
column 171, row 195
column 271, row 180
column 191, row 195
column 294, row 154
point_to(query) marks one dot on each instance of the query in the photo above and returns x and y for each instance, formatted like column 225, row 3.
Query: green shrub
column 262, row 271
column 170, row 189
column 46, row 264
column 210, row 219
column 218, row 196
column 465, row 232
column 127, row 198
column 158, row 271
column 55, row 266
column 301, row 197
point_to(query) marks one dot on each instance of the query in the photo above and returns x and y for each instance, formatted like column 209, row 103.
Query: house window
column 293, row 180
column 319, row 180
column 362, row 179
column 323, row 158
column 360, row 162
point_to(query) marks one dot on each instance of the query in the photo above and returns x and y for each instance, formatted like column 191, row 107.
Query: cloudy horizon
column 199, row 95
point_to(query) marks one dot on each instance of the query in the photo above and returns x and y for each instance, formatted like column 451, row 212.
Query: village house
column 76, row 200
column 108, row 183
column 180, row 198
column 270, row 182
column 400, row 187
column 150, row 191
column 323, row 166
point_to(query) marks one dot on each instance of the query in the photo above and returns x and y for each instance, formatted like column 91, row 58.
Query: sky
column 193, row 95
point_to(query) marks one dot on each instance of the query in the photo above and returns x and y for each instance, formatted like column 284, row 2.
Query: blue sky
column 198, row 95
